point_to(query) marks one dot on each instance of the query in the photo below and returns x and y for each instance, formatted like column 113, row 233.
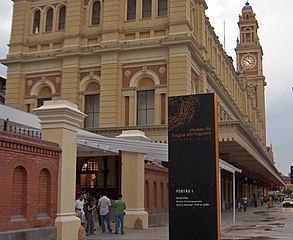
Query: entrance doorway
column 95, row 174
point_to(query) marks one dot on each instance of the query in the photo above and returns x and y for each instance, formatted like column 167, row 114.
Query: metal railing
column 20, row 130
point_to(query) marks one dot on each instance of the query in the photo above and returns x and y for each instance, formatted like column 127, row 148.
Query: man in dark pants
column 104, row 205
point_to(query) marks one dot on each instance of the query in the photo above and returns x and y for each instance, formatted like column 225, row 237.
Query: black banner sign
column 291, row 174
column 194, row 204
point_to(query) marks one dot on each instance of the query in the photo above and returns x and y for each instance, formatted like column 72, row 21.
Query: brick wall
column 29, row 178
column 156, row 189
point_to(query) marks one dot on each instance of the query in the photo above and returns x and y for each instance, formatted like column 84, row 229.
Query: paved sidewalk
column 228, row 229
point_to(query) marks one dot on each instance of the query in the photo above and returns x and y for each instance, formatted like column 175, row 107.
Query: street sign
column 194, row 204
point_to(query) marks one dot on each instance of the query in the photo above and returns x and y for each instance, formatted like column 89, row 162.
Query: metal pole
column 220, row 186
column 234, row 200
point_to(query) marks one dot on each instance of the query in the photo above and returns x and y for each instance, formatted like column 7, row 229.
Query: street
column 259, row 223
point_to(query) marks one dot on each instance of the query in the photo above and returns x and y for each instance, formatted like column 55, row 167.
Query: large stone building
column 118, row 61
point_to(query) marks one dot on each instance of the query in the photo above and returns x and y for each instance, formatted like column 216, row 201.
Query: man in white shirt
column 79, row 203
column 104, row 204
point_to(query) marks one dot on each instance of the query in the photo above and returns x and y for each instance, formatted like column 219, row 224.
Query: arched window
column 88, row 172
column 19, row 193
column 145, row 102
column 44, row 95
column 162, row 194
column 155, row 195
column 96, row 13
column 44, row 192
column 62, row 16
column 36, row 22
column 49, row 20
column 147, row 195
column 192, row 17
column 248, row 35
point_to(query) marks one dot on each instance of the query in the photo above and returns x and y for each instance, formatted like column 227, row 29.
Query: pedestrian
column 244, row 201
column 261, row 200
column 270, row 202
column 119, row 206
column 79, row 205
column 104, row 206
column 89, row 207
column 254, row 199
column 98, row 216
column 239, row 204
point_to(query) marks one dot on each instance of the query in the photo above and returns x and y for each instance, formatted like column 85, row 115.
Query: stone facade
column 116, row 53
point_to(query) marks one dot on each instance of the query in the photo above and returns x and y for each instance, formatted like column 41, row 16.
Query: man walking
column 104, row 205
column 79, row 203
column 119, row 206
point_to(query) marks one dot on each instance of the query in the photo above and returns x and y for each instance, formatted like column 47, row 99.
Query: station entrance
column 98, row 173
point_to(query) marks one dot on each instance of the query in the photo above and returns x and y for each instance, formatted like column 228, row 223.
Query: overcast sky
column 276, row 35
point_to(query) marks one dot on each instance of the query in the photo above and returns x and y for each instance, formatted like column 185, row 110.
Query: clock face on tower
column 248, row 61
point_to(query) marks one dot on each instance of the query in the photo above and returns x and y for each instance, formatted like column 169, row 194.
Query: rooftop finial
column 247, row 3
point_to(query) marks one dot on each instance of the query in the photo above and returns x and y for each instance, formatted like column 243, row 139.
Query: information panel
column 194, row 204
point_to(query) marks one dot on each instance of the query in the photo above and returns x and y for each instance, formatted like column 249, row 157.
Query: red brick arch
column 44, row 190
column 19, row 193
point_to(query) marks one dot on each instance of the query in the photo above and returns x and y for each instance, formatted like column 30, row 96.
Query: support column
column 110, row 97
column 231, row 193
column 133, row 189
column 60, row 121
column 179, row 71
column 234, row 197
column 226, row 193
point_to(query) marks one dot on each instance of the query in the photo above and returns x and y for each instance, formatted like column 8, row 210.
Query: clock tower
column 249, row 60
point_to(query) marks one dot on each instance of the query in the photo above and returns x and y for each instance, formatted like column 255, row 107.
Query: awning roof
column 91, row 144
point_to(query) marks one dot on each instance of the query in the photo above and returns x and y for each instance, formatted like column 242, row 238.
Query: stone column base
column 136, row 218
column 67, row 225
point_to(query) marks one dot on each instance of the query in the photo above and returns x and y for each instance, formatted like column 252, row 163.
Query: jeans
column 119, row 220
column 107, row 218
column 89, row 223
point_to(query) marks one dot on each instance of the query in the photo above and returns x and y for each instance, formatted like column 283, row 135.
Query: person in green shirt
column 119, row 206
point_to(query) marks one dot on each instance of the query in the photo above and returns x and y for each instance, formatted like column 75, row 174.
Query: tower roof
column 247, row 7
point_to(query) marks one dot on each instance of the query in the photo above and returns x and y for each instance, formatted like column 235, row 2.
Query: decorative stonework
column 162, row 70
column 127, row 73
column 54, row 80
column 29, row 83
column 159, row 70
column 90, row 74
